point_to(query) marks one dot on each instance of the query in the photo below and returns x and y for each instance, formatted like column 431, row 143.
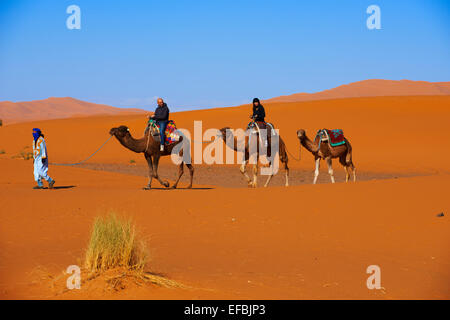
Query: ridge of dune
column 371, row 88
column 55, row 108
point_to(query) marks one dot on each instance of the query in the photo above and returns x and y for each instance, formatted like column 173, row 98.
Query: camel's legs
column 150, row 171
column 243, row 170
column 155, row 171
column 255, row 175
column 316, row 172
column 346, row 165
column 347, row 174
column 180, row 173
column 330, row 170
column 286, row 171
column 191, row 173
column 354, row 173
column 270, row 176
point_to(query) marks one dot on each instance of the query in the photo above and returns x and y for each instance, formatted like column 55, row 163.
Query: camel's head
column 301, row 134
column 223, row 131
column 119, row 132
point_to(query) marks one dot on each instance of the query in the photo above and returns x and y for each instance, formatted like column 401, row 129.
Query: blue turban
column 36, row 133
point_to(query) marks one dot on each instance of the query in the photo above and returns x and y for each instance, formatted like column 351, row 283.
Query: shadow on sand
column 60, row 187
column 169, row 189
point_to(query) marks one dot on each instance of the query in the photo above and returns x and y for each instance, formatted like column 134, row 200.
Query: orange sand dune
column 372, row 88
column 299, row 242
column 270, row 243
column 54, row 108
column 388, row 134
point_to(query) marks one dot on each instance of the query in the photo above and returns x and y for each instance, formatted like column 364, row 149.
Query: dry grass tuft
column 121, row 279
column 115, row 260
column 114, row 244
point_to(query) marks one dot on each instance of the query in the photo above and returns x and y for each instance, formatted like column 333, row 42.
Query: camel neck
column 233, row 143
column 308, row 144
column 136, row 145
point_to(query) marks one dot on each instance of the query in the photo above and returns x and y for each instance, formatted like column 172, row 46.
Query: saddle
column 171, row 133
column 255, row 126
column 334, row 137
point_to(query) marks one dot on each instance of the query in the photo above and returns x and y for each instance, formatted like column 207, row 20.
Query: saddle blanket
column 336, row 137
column 172, row 135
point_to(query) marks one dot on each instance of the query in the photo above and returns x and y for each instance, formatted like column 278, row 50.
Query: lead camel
column 152, row 153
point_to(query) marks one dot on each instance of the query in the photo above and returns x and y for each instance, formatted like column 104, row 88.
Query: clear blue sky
column 214, row 53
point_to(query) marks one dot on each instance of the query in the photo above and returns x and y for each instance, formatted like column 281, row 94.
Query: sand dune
column 387, row 133
column 299, row 242
column 54, row 108
column 372, row 88
column 58, row 108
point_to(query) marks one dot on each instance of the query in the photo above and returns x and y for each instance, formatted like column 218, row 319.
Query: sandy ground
column 229, row 176
column 224, row 241
column 291, row 243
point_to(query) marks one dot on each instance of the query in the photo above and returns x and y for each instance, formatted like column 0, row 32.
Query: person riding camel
column 161, row 116
column 258, row 116
column 258, row 111
column 40, row 160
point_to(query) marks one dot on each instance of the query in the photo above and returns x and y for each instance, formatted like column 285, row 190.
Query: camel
column 150, row 148
column 327, row 153
column 232, row 143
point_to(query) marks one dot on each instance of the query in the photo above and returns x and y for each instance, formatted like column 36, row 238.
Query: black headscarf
column 259, row 103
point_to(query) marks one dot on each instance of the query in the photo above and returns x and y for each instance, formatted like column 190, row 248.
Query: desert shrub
column 2, row 151
column 25, row 155
column 132, row 161
column 114, row 243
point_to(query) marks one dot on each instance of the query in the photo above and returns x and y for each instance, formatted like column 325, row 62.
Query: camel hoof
column 166, row 184
column 189, row 187
column 173, row 187
column 147, row 188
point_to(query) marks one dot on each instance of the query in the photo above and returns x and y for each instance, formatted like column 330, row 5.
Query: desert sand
column 301, row 242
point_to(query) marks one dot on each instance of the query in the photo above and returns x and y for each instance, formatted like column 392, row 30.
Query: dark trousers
column 162, row 130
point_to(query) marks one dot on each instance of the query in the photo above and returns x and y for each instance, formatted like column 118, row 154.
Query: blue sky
column 214, row 53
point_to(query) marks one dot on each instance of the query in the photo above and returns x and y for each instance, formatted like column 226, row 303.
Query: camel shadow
column 170, row 189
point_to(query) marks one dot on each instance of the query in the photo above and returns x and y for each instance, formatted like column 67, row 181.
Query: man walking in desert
column 40, row 160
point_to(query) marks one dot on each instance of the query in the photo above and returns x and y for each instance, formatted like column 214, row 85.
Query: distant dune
column 55, row 108
column 59, row 108
column 372, row 88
